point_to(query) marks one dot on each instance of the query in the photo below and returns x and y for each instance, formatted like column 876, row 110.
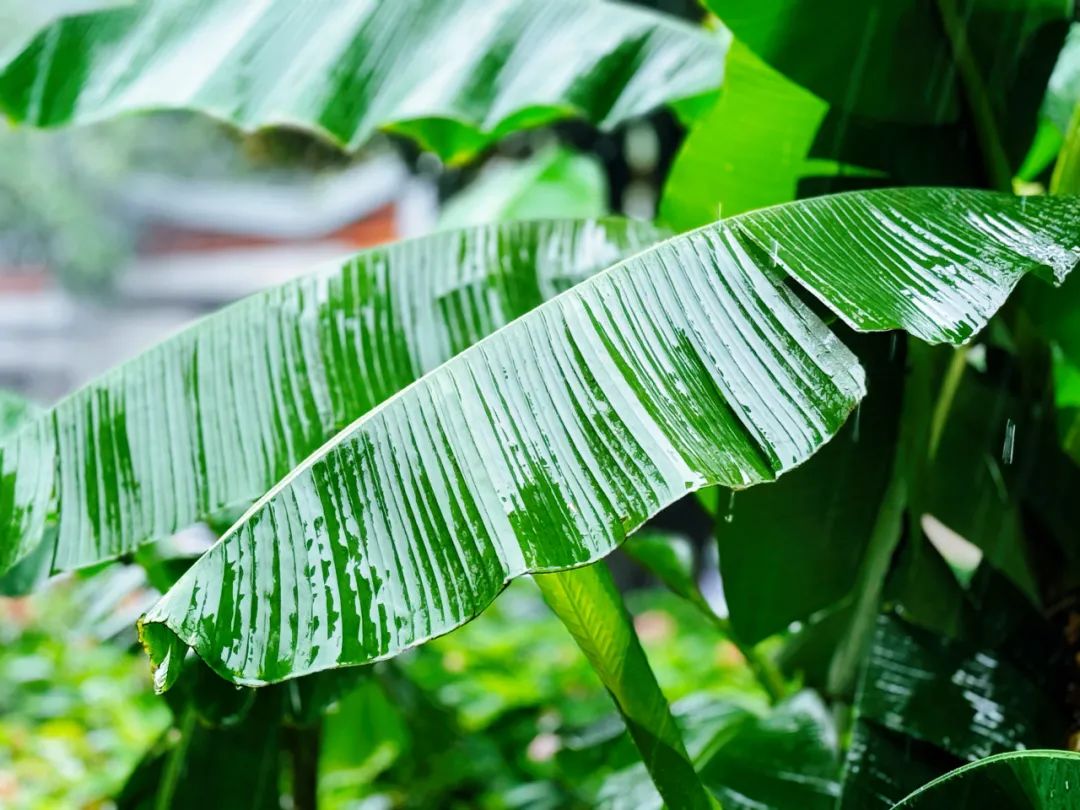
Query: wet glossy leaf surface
column 214, row 416
column 884, row 766
column 1024, row 780
column 542, row 447
column 966, row 700
column 346, row 69
column 971, row 246
column 927, row 703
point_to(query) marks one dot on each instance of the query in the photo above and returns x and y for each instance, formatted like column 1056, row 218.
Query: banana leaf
column 543, row 446
column 453, row 74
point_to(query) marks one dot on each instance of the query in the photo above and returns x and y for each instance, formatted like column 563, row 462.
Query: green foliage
column 498, row 406
column 77, row 707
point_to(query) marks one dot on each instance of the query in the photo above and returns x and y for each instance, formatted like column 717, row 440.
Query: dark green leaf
column 196, row 766
column 892, row 60
column 884, row 766
column 967, row 700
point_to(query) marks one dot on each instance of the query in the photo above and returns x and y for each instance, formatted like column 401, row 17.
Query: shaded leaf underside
column 346, row 69
column 543, row 446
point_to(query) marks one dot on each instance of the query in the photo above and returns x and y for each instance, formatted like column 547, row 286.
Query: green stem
column 949, row 385
column 1066, row 177
column 588, row 603
column 995, row 159
column 174, row 768
column 766, row 673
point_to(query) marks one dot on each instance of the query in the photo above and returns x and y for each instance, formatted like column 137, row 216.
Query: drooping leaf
column 554, row 183
column 217, row 414
column 927, row 703
column 1022, row 780
column 454, row 75
column 542, row 447
column 588, row 603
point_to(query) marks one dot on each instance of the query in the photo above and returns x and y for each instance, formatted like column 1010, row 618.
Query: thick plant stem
column 995, row 159
column 304, row 742
column 589, row 605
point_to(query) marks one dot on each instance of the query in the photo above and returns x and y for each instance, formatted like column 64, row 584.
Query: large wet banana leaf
column 543, row 446
column 454, row 74
column 1022, row 780
column 214, row 416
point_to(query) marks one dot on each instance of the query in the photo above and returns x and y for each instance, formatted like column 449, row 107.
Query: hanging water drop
column 855, row 427
column 729, row 515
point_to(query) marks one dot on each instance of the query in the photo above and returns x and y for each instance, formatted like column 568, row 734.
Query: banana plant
column 410, row 520
column 407, row 431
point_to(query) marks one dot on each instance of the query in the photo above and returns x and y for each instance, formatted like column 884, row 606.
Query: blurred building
column 192, row 243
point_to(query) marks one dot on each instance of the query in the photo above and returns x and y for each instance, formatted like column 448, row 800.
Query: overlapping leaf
column 455, row 74
column 543, row 446
column 216, row 415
